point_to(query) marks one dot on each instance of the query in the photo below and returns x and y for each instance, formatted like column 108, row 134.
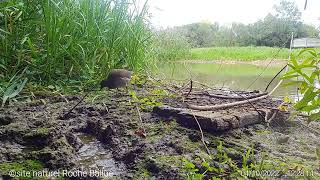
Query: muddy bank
column 117, row 133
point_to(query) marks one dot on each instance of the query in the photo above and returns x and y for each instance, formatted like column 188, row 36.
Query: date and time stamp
column 277, row 173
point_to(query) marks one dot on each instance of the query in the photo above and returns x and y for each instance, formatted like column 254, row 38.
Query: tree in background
column 288, row 10
column 274, row 30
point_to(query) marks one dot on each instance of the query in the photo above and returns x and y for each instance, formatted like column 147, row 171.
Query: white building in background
column 306, row 43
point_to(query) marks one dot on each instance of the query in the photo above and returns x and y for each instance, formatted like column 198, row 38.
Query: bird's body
column 117, row 78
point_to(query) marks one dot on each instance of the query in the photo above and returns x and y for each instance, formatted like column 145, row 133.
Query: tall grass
column 49, row 41
column 171, row 46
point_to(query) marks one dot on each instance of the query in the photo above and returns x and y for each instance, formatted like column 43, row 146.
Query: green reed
column 71, row 40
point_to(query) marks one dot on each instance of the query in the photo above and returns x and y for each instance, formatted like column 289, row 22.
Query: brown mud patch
column 107, row 131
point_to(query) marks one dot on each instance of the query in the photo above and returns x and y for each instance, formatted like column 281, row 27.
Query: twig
column 67, row 114
column 273, row 115
column 274, row 112
column 275, row 77
column 190, row 89
column 202, row 137
column 139, row 115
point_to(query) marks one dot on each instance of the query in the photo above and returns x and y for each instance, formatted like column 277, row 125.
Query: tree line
column 274, row 30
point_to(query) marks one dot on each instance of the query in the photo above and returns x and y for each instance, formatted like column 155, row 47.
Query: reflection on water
column 94, row 156
column 234, row 76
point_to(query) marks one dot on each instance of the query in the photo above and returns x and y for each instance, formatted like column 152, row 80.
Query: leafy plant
column 13, row 90
column 192, row 171
column 146, row 103
column 306, row 75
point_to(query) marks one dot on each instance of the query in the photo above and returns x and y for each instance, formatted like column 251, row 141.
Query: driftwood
column 227, row 105
column 235, row 97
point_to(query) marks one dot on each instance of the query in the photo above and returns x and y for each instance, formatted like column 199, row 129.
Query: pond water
column 234, row 76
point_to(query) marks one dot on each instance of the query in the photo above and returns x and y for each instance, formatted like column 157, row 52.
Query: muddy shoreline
column 118, row 131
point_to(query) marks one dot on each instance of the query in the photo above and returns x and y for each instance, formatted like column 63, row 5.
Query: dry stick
column 183, row 87
column 227, row 105
column 272, row 117
column 139, row 114
column 275, row 77
column 202, row 136
column 67, row 114
column 190, row 88
column 234, row 97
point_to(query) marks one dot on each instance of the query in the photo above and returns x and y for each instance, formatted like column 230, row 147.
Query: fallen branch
column 227, row 105
column 235, row 97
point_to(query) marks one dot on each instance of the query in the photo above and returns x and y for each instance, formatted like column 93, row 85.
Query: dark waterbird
column 117, row 78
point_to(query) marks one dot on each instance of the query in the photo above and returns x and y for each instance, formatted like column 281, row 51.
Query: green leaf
column 303, row 87
column 315, row 117
column 292, row 83
column 309, row 95
column 6, row 32
column 205, row 164
column 294, row 61
column 13, row 91
column 290, row 76
column 188, row 164
column 311, row 51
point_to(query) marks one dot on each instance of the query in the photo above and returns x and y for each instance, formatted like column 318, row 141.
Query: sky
column 169, row 13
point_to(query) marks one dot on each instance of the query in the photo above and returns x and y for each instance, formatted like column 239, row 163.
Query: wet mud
column 117, row 131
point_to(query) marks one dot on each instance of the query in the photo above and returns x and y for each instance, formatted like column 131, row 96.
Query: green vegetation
column 239, row 53
column 171, row 46
column 306, row 75
column 146, row 101
column 69, row 43
column 27, row 166
column 265, row 39
column 274, row 30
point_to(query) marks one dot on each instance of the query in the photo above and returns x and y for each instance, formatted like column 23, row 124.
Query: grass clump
column 21, row 168
column 239, row 53
column 74, row 42
column 171, row 46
